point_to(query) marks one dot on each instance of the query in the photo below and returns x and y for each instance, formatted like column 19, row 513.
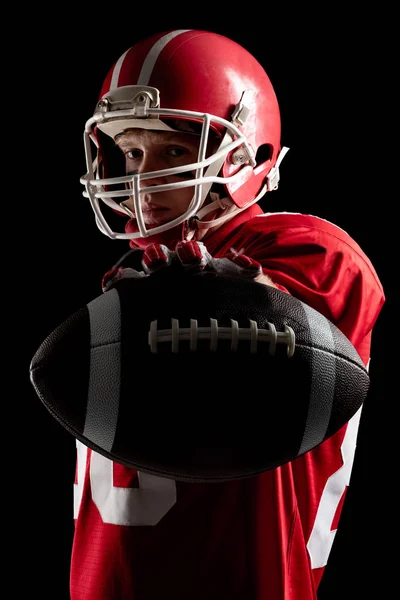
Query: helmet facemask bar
column 98, row 189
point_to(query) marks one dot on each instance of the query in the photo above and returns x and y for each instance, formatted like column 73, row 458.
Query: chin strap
column 228, row 208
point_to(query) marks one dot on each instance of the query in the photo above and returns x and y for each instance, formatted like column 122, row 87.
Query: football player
column 184, row 142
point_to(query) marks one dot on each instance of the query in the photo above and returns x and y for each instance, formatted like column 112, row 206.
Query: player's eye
column 177, row 151
column 134, row 154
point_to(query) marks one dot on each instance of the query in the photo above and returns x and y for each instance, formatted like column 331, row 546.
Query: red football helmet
column 186, row 77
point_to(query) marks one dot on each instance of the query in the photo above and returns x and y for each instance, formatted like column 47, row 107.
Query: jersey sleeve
column 319, row 263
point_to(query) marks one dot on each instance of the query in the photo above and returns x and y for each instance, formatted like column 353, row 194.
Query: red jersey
column 268, row 537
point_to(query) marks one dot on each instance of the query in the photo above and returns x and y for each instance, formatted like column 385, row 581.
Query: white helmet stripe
column 149, row 62
column 117, row 70
column 154, row 53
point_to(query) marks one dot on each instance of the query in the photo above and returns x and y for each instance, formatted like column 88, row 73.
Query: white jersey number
column 145, row 505
column 155, row 496
column 322, row 536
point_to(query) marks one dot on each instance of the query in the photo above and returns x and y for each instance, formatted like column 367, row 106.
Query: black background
column 328, row 78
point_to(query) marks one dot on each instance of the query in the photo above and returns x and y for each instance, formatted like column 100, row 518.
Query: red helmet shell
column 206, row 72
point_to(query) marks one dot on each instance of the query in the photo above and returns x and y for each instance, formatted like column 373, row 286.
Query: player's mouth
column 154, row 214
column 149, row 208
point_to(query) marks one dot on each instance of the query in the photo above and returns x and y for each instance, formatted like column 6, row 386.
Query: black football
column 199, row 376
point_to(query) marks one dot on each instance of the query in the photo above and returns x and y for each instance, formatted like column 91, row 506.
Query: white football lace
column 214, row 333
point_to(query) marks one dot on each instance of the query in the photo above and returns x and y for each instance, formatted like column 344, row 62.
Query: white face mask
column 137, row 106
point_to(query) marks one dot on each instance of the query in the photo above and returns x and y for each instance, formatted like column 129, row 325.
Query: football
column 199, row 375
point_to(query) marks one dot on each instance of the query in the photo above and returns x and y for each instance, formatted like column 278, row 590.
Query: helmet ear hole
column 264, row 153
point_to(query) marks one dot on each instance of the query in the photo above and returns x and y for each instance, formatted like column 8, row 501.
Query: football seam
column 41, row 365
column 49, row 360
column 338, row 355
column 298, row 345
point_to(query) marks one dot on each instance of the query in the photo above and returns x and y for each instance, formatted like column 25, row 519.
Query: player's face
column 145, row 151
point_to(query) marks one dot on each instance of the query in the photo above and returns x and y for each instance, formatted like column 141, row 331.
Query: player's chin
column 154, row 218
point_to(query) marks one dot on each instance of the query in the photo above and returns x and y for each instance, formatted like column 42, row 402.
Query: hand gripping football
column 194, row 370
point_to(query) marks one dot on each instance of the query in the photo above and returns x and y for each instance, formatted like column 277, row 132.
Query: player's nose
column 152, row 163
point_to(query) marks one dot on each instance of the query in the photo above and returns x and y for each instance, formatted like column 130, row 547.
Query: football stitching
column 215, row 332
